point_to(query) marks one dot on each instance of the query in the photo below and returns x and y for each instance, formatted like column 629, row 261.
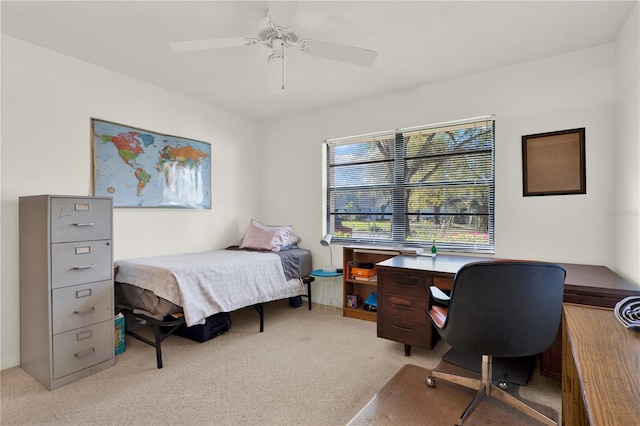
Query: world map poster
column 139, row 168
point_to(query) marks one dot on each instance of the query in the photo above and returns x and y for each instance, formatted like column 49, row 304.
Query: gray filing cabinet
column 66, row 287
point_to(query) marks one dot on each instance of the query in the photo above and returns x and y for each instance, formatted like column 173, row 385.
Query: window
column 414, row 186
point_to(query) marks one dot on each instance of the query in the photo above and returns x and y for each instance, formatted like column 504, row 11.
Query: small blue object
column 321, row 273
column 119, row 341
column 372, row 300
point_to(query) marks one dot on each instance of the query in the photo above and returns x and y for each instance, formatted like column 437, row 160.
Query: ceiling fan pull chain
column 283, row 44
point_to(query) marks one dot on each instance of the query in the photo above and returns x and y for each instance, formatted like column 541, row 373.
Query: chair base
column 485, row 388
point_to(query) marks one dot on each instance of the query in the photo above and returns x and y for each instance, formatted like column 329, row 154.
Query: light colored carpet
column 306, row 368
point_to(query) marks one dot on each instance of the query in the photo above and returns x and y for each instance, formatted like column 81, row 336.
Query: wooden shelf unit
column 362, row 288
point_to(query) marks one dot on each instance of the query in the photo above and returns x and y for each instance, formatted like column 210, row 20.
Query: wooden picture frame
column 554, row 163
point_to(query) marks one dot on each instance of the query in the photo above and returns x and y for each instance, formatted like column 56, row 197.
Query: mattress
column 142, row 283
column 296, row 262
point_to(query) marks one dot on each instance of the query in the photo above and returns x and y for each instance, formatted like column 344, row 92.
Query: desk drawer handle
column 402, row 328
column 404, row 285
column 580, row 293
column 408, row 308
column 83, row 224
column 87, row 311
column 85, row 353
column 79, row 268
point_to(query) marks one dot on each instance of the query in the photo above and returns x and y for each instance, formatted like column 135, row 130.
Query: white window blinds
column 414, row 186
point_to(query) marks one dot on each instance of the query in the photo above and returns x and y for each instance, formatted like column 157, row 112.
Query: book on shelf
column 363, row 272
column 373, row 278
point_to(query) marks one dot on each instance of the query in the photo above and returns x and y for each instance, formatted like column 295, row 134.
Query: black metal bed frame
column 166, row 327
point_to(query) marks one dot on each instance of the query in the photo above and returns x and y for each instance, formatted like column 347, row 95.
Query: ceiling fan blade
column 282, row 13
column 216, row 43
column 340, row 52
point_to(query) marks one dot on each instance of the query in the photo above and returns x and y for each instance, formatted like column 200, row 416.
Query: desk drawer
column 591, row 299
column 405, row 307
column 81, row 348
column 81, row 305
column 410, row 285
column 407, row 331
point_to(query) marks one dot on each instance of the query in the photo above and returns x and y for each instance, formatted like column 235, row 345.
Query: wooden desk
column 403, row 295
column 584, row 284
column 601, row 368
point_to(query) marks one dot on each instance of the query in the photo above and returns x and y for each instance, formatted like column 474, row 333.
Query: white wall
column 47, row 102
column 564, row 92
column 625, row 213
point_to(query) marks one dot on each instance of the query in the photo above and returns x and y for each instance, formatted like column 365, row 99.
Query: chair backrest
column 505, row 308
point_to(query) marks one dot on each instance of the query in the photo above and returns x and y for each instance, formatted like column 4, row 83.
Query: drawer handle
column 579, row 293
column 87, row 311
column 408, row 308
column 83, row 224
column 79, row 268
column 402, row 328
column 404, row 285
column 85, row 353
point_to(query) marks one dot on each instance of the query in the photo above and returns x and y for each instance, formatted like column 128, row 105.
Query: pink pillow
column 265, row 237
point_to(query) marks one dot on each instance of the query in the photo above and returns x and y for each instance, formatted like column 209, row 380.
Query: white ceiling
column 418, row 42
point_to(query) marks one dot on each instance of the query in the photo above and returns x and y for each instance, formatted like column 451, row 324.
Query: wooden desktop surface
column 601, row 371
column 444, row 264
column 589, row 276
column 579, row 277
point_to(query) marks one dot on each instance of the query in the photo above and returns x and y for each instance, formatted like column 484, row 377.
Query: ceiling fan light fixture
column 276, row 70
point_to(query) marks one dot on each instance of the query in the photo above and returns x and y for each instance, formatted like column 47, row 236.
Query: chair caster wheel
column 503, row 385
column 430, row 381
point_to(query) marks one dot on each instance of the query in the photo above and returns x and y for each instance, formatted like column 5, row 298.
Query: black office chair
column 501, row 309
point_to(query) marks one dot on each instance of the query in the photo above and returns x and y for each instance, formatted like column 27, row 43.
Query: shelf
column 362, row 288
column 359, row 314
column 354, row 281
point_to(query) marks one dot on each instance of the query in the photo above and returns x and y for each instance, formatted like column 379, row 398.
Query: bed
column 168, row 291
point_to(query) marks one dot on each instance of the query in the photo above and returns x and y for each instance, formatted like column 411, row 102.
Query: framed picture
column 554, row 163
column 141, row 168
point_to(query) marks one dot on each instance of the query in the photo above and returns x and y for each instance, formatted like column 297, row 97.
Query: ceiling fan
column 277, row 34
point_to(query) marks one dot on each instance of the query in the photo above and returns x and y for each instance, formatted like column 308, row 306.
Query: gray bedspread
column 296, row 262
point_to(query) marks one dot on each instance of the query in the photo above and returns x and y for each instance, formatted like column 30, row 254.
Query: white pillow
column 293, row 239
column 265, row 237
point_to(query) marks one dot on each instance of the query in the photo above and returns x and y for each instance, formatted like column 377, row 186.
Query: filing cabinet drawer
column 404, row 284
column 81, row 348
column 406, row 307
column 80, row 262
column 409, row 332
column 81, row 305
column 80, row 219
